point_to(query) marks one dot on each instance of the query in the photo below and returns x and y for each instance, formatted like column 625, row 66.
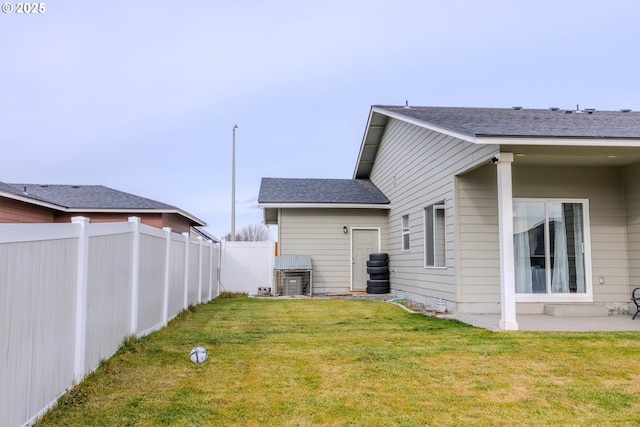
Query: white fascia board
column 426, row 125
column 30, row 200
column 556, row 141
column 323, row 206
column 364, row 140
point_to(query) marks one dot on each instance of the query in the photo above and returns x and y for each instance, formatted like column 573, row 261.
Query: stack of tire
column 378, row 271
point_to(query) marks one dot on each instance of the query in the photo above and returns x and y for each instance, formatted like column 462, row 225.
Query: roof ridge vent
column 625, row 110
column 553, row 108
column 517, row 107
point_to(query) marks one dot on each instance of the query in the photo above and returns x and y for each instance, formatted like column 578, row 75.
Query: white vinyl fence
column 246, row 266
column 70, row 294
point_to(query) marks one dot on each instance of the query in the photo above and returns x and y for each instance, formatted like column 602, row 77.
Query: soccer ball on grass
column 198, row 355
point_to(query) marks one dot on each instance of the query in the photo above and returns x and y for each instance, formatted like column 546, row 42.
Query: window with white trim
column 435, row 254
column 549, row 239
column 405, row 232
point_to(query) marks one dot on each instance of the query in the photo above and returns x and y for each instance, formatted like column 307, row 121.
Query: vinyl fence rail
column 70, row 294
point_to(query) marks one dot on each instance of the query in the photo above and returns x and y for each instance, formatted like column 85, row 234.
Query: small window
column 405, row 232
column 434, row 241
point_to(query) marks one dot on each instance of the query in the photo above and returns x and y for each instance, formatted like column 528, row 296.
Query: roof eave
column 362, row 171
column 426, row 125
column 558, row 140
column 324, row 205
column 363, row 167
column 30, row 200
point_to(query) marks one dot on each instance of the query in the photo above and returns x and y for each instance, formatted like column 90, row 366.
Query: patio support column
column 505, row 223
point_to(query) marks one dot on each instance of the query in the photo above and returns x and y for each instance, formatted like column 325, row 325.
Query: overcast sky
column 142, row 96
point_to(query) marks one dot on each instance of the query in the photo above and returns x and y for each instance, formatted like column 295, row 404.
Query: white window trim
column 402, row 233
column 440, row 206
column 588, row 295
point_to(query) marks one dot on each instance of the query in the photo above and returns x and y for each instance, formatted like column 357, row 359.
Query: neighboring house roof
column 317, row 193
column 516, row 125
column 88, row 198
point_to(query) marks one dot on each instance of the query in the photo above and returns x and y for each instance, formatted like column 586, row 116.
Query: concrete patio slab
column 541, row 322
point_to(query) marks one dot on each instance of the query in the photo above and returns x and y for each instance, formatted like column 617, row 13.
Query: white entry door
column 364, row 242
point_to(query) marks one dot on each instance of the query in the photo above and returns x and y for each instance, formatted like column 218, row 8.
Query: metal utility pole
column 233, row 184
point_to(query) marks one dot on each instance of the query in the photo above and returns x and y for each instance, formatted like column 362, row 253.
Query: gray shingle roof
column 502, row 122
column 300, row 190
column 90, row 198
column 10, row 188
column 87, row 197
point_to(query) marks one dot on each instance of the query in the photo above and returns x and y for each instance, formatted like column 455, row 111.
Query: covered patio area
column 542, row 322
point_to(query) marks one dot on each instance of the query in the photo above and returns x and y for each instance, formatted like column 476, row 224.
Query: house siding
column 177, row 223
column 415, row 168
column 478, row 219
column 318, row 233
column 15, row 211
column 631, row 177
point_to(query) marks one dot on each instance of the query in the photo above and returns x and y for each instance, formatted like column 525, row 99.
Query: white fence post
column 186, row 270
column 135, row 272
column 167, row 276
column 210, row 243
column 199, row 269
column 81, row 297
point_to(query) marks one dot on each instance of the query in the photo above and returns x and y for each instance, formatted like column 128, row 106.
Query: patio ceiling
column 573, row 155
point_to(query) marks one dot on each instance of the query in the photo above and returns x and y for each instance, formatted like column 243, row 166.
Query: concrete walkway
column 541, row 322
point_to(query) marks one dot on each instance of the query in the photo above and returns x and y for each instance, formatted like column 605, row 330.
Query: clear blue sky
column 142, row 96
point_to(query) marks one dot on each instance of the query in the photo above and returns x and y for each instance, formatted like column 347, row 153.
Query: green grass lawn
column 332, row 362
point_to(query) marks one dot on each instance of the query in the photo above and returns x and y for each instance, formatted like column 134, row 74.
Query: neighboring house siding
column 415, row 168
column 478, row 219
column 177, row 223
column 19, row 212
column 318, row 233
column 154, row 219
column 631, row 180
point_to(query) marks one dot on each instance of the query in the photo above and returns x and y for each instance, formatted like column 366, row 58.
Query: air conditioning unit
column 291, row 285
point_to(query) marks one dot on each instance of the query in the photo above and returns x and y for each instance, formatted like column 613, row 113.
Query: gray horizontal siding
column 318, row 233
column 415, row 168
column 601, row 186
column 632, row 199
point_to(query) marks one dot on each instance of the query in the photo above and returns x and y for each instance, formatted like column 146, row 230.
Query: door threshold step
column 576, row 310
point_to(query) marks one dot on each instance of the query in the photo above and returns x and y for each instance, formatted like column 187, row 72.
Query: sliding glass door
column 549, row 247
